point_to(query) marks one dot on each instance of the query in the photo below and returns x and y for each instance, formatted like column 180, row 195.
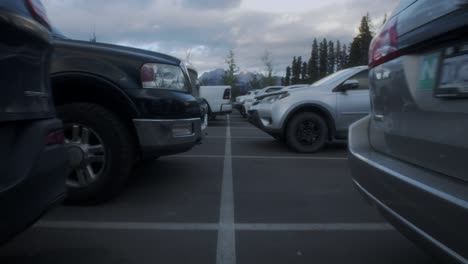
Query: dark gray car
column 409, row 157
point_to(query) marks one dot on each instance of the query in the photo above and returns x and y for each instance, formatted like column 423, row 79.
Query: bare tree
column 267, row 61
column 188, row 55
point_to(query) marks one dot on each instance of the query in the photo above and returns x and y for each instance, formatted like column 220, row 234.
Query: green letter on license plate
column 428, row 74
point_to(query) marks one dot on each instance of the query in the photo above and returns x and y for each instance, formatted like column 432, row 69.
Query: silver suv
column 409, row 157
column 307, row 118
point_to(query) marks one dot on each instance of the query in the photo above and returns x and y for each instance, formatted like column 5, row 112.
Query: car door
column 354, row 104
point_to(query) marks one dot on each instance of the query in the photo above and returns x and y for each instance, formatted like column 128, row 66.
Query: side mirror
column 348, row 85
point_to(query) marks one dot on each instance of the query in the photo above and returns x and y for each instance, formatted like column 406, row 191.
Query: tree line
column 329, row 56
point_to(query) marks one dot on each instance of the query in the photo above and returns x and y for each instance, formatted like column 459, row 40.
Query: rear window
column 402, row 6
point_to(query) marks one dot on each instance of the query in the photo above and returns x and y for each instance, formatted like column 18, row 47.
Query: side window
column 363, row 78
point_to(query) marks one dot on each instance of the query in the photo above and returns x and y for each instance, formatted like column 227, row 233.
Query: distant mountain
column 215, row 77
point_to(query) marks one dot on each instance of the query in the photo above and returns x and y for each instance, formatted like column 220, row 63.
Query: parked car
column 239, row 101
column 408, row 158
column 292, row 87
column 307, row 118
column 249, row 101
column 218, row 99
column 120, row 105
column 33, row 158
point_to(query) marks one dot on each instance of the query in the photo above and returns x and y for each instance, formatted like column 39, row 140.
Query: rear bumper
column 159, row 137
column 430, row 209
column 225, row 109
column 35, row 175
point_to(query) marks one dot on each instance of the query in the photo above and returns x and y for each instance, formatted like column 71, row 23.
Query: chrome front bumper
column 165, row 137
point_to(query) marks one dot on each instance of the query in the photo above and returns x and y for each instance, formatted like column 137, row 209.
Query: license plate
column 453, row 75
column 205, row 122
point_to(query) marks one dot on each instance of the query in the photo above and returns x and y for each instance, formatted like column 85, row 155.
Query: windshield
column 331, row 78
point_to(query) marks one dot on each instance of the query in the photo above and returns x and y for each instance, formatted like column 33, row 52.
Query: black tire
column 307, row 132
column 211, row 117
column 242, row 112
column 119, row 148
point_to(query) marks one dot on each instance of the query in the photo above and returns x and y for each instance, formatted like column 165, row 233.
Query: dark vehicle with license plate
column 33, row 158
column 120, row 105
column 409, row 157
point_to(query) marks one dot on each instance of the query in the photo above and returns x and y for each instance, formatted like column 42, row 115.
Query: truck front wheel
column 101, row 152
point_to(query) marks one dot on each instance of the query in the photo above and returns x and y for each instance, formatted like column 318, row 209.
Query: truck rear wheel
column 307, row 132
column 101, row 152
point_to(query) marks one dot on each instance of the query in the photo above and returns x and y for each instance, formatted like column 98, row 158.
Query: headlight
column 274, row 98
column 162, row 76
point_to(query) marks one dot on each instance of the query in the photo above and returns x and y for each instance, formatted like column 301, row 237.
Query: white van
column 218, row 99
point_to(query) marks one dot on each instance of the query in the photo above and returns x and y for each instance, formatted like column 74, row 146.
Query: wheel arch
column 315, row 108
column 78, row 87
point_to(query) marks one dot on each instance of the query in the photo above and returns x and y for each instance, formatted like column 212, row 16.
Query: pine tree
column 344, row 57
column 294, row 71
column 355, row 53
column 338, row 56
column 313, row 62
column 229, row 77
column 323, row 60
column 331, row 57
column 358, row 52
column 304, row 76
column 287, row 80
column 298, row 70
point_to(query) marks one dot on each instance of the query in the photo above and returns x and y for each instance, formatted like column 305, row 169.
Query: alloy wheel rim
column 87, row 155
column 308, row 132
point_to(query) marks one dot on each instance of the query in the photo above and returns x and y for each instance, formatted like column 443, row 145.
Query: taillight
column 38, row 10
column 384, row 47
column 227, row 94
column 55, row 138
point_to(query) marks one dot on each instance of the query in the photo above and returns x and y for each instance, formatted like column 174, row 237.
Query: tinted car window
column 363, row 78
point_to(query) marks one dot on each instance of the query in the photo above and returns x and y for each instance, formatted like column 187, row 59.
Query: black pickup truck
column 120, row 105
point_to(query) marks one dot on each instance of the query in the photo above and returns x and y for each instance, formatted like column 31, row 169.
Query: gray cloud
column 211, row 4
column 173, row 27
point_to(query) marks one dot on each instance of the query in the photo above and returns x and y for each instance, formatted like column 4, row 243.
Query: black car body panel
column 24, row 51
column 32, row 167
column 32, row 173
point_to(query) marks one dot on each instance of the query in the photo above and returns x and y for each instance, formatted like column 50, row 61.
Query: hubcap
column 87, row 155
column 308, row 132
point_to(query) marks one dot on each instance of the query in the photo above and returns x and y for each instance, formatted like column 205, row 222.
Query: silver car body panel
column 409, row 156
column 343, row 108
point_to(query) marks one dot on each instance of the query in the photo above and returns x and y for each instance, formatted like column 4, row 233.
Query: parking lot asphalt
column 240, row 197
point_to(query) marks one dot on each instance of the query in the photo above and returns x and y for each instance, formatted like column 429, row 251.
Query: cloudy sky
column 209, row 28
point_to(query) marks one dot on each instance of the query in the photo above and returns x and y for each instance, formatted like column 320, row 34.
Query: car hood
column 121, row 50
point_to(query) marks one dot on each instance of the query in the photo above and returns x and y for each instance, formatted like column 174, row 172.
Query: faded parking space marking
column 226, row 250
column 213, row 227
column 264, row 157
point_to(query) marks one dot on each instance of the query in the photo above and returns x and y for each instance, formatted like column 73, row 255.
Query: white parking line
column 260, row 157
column 226, row 250
column 316, row 227
column 219, row 137
column 124, row 225
column 237, row 128
column 145, row 226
